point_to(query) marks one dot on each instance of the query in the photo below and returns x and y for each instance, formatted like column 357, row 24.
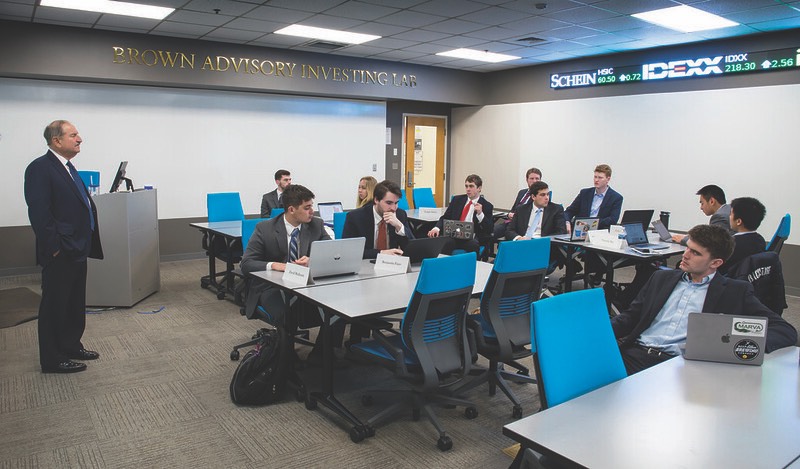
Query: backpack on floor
column 260, row 378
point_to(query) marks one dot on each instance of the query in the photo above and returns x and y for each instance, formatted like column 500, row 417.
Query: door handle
column 410, row 179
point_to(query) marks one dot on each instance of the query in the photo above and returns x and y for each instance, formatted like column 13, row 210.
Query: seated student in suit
column 523, row 197
column 746, row 216
column 547, row 219
column 366, row 188
column 712, row 203
column 383, row 224
column 281, row 240
column 653, row 328
column 599, row 201
column 270, row 200
column 468, row 207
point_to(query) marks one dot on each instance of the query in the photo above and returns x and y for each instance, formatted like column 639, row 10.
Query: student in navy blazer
column 479, row 212
column 531, row 176
column 364, row 221
column 64, row 221
column 610, row 206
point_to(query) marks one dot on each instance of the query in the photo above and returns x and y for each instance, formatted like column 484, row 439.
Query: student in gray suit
column 712, row 203
column 276, row 242
column 270, row 200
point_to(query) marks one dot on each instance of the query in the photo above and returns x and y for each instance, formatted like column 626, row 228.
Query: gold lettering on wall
column 255, row 66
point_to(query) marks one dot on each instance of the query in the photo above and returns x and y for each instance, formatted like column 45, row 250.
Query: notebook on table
column 726, row 338
column 637, row 239
column 580, row 229
column 336, row 257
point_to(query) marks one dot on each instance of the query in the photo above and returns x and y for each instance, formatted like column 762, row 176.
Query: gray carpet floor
column 158, row 397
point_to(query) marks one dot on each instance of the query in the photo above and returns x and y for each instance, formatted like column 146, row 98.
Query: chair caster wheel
column 471, row 412
column 366, row 400
column 357, row 434
column 517, row 412
column 311, row 404
column 444, row 443
column 234, row 355
column 300, row 394
column 415, row 414
column 221, row 295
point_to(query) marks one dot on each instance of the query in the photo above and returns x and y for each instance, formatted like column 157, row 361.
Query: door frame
column 446, row 154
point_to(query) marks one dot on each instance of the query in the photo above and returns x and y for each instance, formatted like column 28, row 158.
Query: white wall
column 662, row 148
column 188, row 143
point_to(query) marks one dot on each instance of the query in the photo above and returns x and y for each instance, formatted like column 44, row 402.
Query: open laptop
column 336, row 257
column 458, row 229
column 726, row 338
column 424, row 248
column 662, row 231
column 327, row 209
column 580, row 229
column 637, row 239
column 642, row 217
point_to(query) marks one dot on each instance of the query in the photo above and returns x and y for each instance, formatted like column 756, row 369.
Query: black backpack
column 260, row 378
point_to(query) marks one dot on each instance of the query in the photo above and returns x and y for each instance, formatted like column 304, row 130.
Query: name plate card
column 605, row 239
column 429, row 213
column 392, row 264
column 296, row 275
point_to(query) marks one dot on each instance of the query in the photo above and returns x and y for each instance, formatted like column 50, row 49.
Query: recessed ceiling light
column 112, row 7
column 323, row 34
column 685, row 19
column 482, row 56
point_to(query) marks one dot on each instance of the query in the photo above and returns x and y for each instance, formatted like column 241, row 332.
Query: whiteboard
column 188, row 143
column 662, row 148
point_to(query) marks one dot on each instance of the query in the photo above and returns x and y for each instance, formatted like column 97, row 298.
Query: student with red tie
column 468, row 207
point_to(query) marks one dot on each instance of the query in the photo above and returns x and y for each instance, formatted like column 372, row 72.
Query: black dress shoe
column 67, row 366
column 84, row 354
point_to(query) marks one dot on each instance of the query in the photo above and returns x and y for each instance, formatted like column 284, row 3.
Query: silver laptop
column 726, row 338
column 580, row 229
column 637, row 239
column 662, row 231
column 336, row 257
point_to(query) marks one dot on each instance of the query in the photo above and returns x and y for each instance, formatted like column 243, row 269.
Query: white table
column 680, row 413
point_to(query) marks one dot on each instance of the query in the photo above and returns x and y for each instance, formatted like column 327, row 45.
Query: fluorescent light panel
column 323, row 34
column 112, row 7
column 479, row 55
column 685, row 19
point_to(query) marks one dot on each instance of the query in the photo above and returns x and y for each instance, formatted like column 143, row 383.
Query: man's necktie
column 465, row 211
column 525, row 198
column 381, row 243
column 76, row 178
column 293, row 245
column 532, row 228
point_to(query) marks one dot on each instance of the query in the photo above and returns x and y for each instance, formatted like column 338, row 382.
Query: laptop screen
column 634, row 234
column 327, row 209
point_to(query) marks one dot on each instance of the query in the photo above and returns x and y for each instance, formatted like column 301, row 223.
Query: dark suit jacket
column 609, row 211
column 746, row 245
column 361, row 222
column 269, row 243
column 268, row 202
column 553, row 222
column 483, row 229
column 520, row 195
column 58, row 213
column 724, row 295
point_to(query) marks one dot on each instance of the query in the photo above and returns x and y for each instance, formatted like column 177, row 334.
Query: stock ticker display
column 696, row 67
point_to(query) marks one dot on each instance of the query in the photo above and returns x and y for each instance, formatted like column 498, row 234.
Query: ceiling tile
column 458, row 41
column 421, row 35
column 454, row 26
column 570, row 32
column 16, row 9
column 127, row 22
column 535, row 24
column 777, row 12
column 449, row 7
column 494, row 34
column 396, row 55
column 67, row 16
column 628, row 7
column 315, row 6
column 234, row 34
column 492, row 15
column 280, row 15
column 172, row 27
column 254, row 25
column 199, row 18
column 225, row 7
column 582, row 15
column 552, row 6
column 411, row 19
column 361, row 11
column 777, row 24
column 332, row 22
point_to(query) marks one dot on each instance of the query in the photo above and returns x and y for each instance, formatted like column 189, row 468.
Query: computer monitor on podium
column 119, row 177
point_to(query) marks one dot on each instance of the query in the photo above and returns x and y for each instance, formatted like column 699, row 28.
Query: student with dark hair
column 270, row 200
column 653, row 329
column 523, row 198
column 471, row 206
column 382, row 223
column 746, row 216
column 712, row 203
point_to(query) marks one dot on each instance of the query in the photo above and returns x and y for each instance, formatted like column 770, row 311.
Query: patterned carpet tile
column 107, row 377
column 32, row 390
column 39, row 429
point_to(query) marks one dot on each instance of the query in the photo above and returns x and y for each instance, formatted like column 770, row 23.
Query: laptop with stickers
column 580, row 229
column 726, row 338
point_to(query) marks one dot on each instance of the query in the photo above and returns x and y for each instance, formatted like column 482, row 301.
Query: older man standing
column 64, row 220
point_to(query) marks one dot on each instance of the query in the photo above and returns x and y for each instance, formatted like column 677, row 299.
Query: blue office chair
column 90, row 178
column 576, row 351
column 403, row 202
column 275, row 212
column 783, row 231
column 423, row 197
column 431, row 350
column 338, row 224
column 224, row 206
column 502, row 330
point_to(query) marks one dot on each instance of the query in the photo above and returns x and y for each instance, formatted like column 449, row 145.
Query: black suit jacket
column 483, row 229
column 553, row 222
column 269, row 242
column 517, row 201
column 58, row 213
column 361, row 222
column 268, row 202
column 725, row 295
column 746, row 245
column 609, row 211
